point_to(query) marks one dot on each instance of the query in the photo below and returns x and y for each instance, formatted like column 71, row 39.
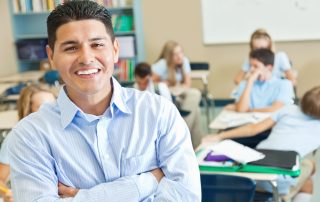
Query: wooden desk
column 29, row 76
column 8, row 119
column 227, row 119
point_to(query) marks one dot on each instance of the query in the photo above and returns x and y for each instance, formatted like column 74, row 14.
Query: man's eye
column 70, row 49
column 98, row 45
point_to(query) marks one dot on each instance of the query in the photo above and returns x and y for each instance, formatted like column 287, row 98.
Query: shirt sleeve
column 160, row 68
column 276, row 116
column 164, row 91
column 186, row 65
column 34, row 175
column 176, row 159
column 286, row 92
column 239, row 90
column 283, row 61
column 246, row 66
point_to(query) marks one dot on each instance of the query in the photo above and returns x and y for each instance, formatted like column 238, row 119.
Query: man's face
column 84, row 55
column 264, row 72
column 142, row 82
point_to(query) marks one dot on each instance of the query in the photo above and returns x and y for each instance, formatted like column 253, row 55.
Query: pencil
column 3, row 189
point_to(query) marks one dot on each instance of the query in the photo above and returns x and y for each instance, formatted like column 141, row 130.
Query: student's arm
column 244, row 131
column 290, row 75
column 243, row 104
column 34, row 176
column 187, row 80
column 274, row 107
column 239, row 77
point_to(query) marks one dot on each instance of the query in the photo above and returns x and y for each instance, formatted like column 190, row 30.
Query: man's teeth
column 86, row 72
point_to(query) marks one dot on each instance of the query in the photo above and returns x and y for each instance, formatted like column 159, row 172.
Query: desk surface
column 199, row 74
column 228, row 119
column 32, row 76
column 8, row 119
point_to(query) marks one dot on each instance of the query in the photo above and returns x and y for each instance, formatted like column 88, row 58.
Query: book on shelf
column 124, row 69
column 122, row 23
column 126, row 45
column 29, row 6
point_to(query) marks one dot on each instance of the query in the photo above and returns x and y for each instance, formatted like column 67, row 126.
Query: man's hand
column 158, row 174
column 65, row 191
column 211, row 139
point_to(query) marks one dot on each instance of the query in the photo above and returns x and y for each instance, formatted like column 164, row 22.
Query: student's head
column 31, row 98
column 262, row 60
column 142, row 75
column 260, row 39
column 173, row 54
column 82, row 47
column 310, row 103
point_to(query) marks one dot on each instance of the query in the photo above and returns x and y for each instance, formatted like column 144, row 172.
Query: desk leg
column 275, row 192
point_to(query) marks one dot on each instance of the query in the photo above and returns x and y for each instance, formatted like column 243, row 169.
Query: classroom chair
column 200, row 70
column 227, row 188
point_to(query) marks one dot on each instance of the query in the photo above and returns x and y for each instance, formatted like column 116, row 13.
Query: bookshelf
column 30, row 32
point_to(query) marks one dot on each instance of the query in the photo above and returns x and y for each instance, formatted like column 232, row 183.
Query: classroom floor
column 214, row 111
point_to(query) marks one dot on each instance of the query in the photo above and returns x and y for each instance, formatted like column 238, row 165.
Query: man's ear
column 115, row 51
column 50, row 56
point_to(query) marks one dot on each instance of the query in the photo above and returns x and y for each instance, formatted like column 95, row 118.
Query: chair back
column 226, row 188
column 199, row 66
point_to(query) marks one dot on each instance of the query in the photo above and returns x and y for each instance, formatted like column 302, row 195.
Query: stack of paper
column 236, row 151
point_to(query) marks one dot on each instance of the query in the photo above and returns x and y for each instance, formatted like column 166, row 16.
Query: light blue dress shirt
column 293, row 131
column 281, row 64
column 265, row 93
column 107, row 157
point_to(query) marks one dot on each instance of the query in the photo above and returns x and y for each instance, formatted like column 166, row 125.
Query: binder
column 260, row 166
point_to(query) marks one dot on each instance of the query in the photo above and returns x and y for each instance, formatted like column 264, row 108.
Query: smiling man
column 99, row 141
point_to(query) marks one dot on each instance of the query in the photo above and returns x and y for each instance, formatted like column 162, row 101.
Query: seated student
column 292, row 129
column 174, row 69
column 261, row 91
column 31, row 97
column 282, row 67
column 143, row 81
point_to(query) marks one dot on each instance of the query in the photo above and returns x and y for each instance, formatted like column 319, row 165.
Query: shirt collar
column 69, row 110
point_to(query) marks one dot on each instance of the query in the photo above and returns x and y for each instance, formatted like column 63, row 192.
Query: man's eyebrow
column 73, row 42
column 97, row 39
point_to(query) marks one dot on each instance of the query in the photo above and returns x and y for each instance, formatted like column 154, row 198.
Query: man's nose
column 86, row 56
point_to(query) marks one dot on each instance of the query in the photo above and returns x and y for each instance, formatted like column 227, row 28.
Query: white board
column 233, row 21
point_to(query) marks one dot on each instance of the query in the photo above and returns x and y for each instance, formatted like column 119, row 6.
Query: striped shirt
column 107, row 157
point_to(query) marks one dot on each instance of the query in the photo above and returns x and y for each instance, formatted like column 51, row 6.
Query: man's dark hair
column 142, row 70
column 74, row 11
column 264, row 55
column 310, row 102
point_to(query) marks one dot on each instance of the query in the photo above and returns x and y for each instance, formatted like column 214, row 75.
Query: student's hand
column 231, row 107
column 8, row 197
column 65, row 191
column 158, row 174
column 255, row 74
column 210, row 139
